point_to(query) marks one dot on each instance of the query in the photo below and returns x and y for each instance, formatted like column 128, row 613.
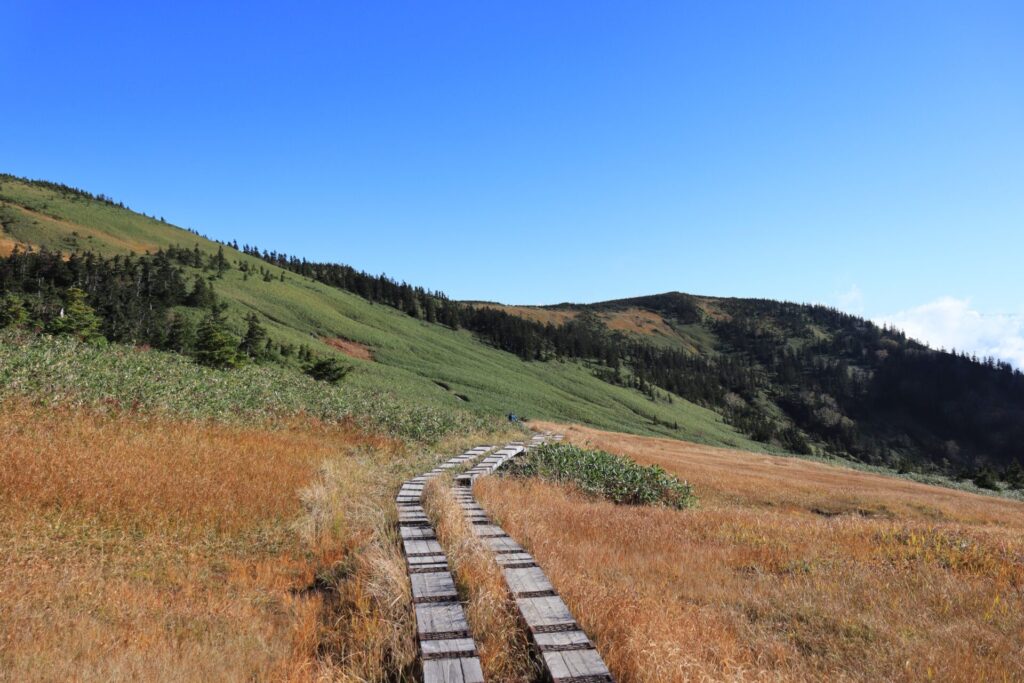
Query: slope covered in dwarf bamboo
column 423, row 362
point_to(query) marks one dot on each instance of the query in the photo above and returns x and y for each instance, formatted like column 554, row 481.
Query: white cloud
column 851, row 301
column 951, row 323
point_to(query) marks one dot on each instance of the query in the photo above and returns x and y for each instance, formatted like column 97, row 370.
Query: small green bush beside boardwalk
column 610, row 476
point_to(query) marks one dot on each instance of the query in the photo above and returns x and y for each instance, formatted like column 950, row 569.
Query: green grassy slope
column 411, row 356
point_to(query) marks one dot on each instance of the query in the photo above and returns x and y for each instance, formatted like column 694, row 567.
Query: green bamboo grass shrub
column 602, row 474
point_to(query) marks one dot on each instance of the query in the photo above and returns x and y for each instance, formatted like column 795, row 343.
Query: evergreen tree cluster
column 141, row 300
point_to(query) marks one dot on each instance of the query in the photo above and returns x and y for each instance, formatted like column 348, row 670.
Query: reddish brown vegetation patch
column 350, row 348
column 638, row 321
column 7, row 245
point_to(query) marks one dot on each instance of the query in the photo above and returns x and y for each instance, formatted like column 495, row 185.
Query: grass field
column 149, row 548
column 788, row 570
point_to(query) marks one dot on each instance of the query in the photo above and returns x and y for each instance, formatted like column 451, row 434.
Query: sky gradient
column 864, row 155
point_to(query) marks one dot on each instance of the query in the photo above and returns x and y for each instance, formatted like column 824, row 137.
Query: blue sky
column 865, row 155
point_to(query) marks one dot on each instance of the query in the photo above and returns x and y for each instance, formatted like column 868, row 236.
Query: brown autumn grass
column 145, row 548
column 639, row 321
column 535, row 313
column 7, row 245
column 789, row 570
column 503, row 649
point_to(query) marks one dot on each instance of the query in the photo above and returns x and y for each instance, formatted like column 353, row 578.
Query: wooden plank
column 529, row 581
column 410, row 532
column 412, row 519
column 448, row 648
column 425, row 559
column 461, row 670
column 546, row 614
column 562, row 640
column 488, row 531
column 433, row 587
column 503, row 544
column 513, row 558
column 415, row 547
column 436, row 621
column 576, row 666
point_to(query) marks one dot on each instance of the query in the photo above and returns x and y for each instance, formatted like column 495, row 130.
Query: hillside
column 423, row 363
column 817, row 380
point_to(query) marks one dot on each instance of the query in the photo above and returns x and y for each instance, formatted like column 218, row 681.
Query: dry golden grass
column 148, row 549
column 790, row 570
column 503, row 649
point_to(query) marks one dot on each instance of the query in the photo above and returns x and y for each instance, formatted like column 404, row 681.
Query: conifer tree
column 181, row 335
column 12, row 312
column 215, row 347
column 202, row 294
column 77, row 318
column 254, row 343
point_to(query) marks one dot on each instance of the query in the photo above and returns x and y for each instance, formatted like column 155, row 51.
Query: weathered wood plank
column 562, row 640
column 436, row 621
column 546, row 614
column 528, row 581
column 513, row 558
column 461, row 670
column 410, row 532
column 448, row 648
column 415, row 547
column 576, row 666
column 503, row 544
column 433, row 587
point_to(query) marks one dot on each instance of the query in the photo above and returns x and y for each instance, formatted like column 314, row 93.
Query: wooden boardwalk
column 560, row 644
column 447, row 650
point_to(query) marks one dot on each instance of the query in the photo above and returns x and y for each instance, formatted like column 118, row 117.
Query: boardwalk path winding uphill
column 447, row 651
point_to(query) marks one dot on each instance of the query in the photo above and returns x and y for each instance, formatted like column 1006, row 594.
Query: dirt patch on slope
column 638, row 321
column 350, row 348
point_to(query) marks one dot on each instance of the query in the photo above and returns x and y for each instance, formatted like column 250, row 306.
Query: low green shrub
column 611, row 476
column 65, row 371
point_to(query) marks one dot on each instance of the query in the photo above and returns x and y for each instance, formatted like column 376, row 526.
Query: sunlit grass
column 789, row 570
column 136, row 546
